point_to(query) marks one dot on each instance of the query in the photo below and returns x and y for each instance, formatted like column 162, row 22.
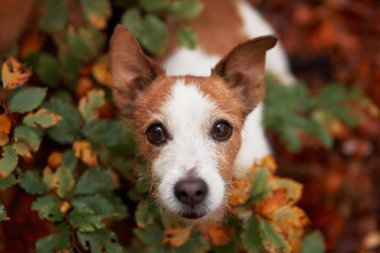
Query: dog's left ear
column 243, row 69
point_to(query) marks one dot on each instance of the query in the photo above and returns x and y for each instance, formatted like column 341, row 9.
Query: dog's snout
column 191, row 191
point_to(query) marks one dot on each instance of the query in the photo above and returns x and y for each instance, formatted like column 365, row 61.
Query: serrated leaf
column 95, row 180
column 66, row 181
column 273, row 241
column 106, row 132
column 259, row 183
column 100, row 205
column 28, row 137
column 42, row 118
column 47, row 69
column 56, row 16
column 55, row 242
column 186, row 37
column 3, row 213
column 7, row 182
column 26, row 99
column 8, row 162
column 83, row 151
column 67, row 129
column 97, row 12
column 98, row 240
column 151, row 234
column 186, row 10
column 47, row 208
column 313, row 243
column 86, row 220
column 293, row 188
column 251, row 236
column 14, row 74
column 32, row 182
column 89, row 104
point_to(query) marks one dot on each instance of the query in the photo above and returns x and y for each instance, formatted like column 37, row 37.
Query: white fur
column 186, row 113
column 197, row 62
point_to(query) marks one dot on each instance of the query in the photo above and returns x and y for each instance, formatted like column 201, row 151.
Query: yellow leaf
column 89, row 105
column 176, row 237
column 65, row 206
column 5, row 124
column 101, row 72
column 83, row 151
column 14, row 74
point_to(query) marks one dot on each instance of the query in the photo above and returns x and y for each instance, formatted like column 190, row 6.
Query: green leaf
column 95, row 180
column 66, row 181
column 7, row 182
column 48, row 69
column 150, row 31
column 97, row 12
column 67, row 129
column 27, row 136
column 85, row 42
column 273, row 241
column 155, row 6
column 55, row 242
column 105, row 132
column 186, row 37
column 149, row 235
column 26, row 99
column 90, row 103
column 69, row 160
column 94, row 242
column 8, row 162
column 42, row 118
column 86, row 220
column 47, row 208
column 251, row 236
column 32, row 182
column 313, row 243
column 259, row 183
column 55, row 17
column 185, row 10
column 146, row 213
column 100, row 205
column 3, row 213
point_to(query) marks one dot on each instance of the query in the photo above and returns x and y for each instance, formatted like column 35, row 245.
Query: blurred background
column 329, row 43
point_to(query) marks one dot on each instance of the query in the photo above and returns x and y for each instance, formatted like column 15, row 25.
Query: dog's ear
column 243, row 69
column 132, row 71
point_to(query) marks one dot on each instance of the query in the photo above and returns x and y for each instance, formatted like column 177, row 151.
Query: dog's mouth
column 192, row 215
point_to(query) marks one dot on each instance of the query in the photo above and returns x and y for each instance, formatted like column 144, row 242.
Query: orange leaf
column 239, row 193
column 101, row 72
column 5, row 124
column 83, row 151
column 268, row 205
column 176, row 237
column 31, row 43
column 54, row 159
column 14, row 74
column 217, row 234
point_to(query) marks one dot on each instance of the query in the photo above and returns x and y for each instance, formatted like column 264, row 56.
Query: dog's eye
column 221, row 131
column 156, row 134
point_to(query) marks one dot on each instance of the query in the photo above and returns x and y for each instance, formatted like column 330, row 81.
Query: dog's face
column 188, row 128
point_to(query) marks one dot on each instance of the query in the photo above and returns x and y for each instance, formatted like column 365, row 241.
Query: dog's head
column 189, row 128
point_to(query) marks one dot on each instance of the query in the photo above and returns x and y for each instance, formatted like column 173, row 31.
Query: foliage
column 87, row 159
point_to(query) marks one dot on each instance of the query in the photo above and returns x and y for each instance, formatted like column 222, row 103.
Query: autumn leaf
column 101, row 72
column 89, row 104
column 42, row 118
column 5, row 128
column 268, row 205
column 217, row 234
column 54, row 159
column 240, row 192
column 32, row 42
column 82, row 150
column 176, row 237
column 14, row 74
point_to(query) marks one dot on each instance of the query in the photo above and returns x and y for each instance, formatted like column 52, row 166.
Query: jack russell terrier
column 198, row 118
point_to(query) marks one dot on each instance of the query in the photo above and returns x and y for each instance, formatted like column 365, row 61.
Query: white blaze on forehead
column 189, row 115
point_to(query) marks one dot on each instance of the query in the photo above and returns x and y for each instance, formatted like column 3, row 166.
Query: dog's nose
column 191, row 191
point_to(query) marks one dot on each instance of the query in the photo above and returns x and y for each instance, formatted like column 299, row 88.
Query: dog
column 198, row 118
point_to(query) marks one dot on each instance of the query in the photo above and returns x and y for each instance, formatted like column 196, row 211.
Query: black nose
column 191, row 191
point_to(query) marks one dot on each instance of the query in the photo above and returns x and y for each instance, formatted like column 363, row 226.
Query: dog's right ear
column 132, row 71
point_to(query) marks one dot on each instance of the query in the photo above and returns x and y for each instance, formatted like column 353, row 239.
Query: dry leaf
column 176, row 237
column 14, row 74
column 54, row 159
column 240, row 192
column 84, row 152
column 217, row 234
column 5, row 128
column 102, row 74
column 31, row 43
